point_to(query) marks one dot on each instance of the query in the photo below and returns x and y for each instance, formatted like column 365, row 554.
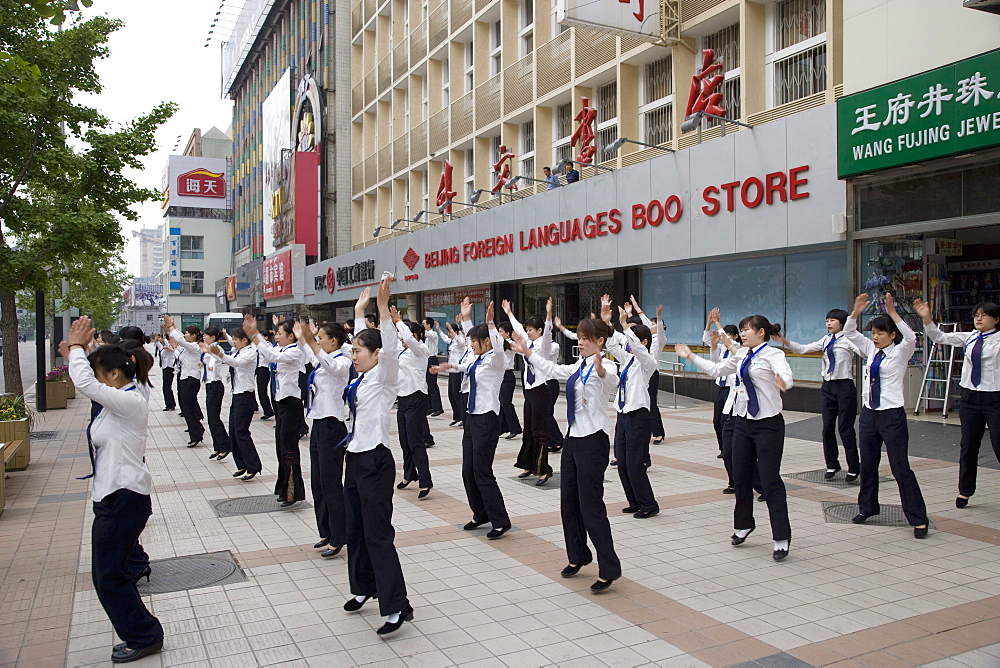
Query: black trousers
column 372, row 561
column 888, row 427
column 187, row 396
column 760, row 442
column 840, row 409
column 288, row 422
column 433, row 393
column 119, row 518
column 244, row 450
column 977, row 411
column 479, row 445
column 728, row 432
column 214, row 393
column 534, row 453
column 555, row 436
column 138, row 561
column 263, row 375
column 509, row 421
column 581, row 497
column 655, row 419
column 168, row 388
column 717, row 418
column 411, row 422
column 326, row 459
column 458, row 407
column 632, row 435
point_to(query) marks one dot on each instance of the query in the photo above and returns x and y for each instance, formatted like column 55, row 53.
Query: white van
column 227, row 321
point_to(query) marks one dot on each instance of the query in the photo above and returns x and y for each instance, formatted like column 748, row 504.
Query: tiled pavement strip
column 847, row 595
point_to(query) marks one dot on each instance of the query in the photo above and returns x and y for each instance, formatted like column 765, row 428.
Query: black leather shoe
column 850, row 477
column 570, row 571
column 544, row 479
column 424, row 492
column 601, row 585
column 146, row 573
column 525, row 474
column 239, row 473
column 286, row 504
column 961, row 502
column 739, row 541
column 643, row 514
column 729, row 490
column 126, row 655
column 403, row 485
column 512, row 435
column 192, row 444
column 613, row 463
column 248, row 476
column 658, row 440
column 779, row 554
column 496, row 533
column 454, row 423
column 469, row 526
column 332, row 552
column 405, row 615
column 761, row 499
column 353, row 604
column 630, row 509
column 860, row 518
column 719, row 456
column 436, row 413
column 221, row 456
column 554, row 448
column 213, row 455
column 266, row 417
column 828, row 475
column 920, row 532
column 322, row 543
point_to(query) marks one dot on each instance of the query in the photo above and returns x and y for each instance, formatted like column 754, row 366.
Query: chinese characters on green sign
column 949, row 110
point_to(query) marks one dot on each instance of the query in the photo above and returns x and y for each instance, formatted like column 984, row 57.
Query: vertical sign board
column 948, row 110
column 174, row 259
column 278, row 275
column 276, row 113
column 630, row 18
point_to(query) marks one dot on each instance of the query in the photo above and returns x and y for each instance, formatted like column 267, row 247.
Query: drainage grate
column 44, row 435
column 553, row 482
column 192, row 572
column 251, row 505
column 836, row 481
column 62, row 498
column 841, row 513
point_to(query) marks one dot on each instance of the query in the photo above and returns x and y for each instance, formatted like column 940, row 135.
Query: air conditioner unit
column 991, row 6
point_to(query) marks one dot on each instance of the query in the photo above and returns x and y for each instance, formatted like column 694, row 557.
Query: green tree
column 62, row 188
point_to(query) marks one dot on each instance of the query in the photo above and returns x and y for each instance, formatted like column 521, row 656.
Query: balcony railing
column 518, row 84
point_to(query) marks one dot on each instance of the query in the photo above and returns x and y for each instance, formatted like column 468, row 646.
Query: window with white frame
column 526, row 33
column 527, row 156
column 423, row 99
column 406, row 112
column 192, row 282
column 423, row 10
column 445, row 84
column 657, row 106
column 797, row 61
column 192, row 248
column 557, row 28
column 470, row 80
column 726, row 44
column 470, row 175
column 425, row 195
column 495, row 51
column 607, row 119
column 563, row 121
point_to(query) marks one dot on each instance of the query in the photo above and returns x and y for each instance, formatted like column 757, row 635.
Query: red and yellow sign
column 201, row 183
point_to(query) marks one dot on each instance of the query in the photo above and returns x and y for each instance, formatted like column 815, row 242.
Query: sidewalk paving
column 846, row 596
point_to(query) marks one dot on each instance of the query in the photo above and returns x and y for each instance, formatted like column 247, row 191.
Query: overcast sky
column 159, row 56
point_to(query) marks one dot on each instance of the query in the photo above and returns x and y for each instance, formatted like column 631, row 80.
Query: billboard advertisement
column 631, row 18
column 276, row 113
column 278, row 275
column 203, row 183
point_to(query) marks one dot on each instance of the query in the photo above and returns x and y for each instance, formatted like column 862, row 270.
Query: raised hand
column 860, row 302
column 168, row 322
column 623, row 317
column 466, row 308
column 63, row 349
column 250, row 325
column 314, row 328
column 923, row 310
column 300, row 331
column 394, row 314
column 548, row 309
column 489, row 312
column 505, row 305
column 557, row 322
column 519, row 344
column 780, row 383
column 627, row 309
column 890, row 305
column 384, row 292
column 714, row 315
column 274, row 320
column 714, row 336
column 81, row 333
column 683, row 350
column 599, row 365
column 659, row 312
column 605, row 300
column 363, row 299
column 635, row 304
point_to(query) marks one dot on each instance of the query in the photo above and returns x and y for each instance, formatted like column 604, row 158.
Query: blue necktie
column 875, row 377
column 351, row 397
column 204, row 369
column 571, row 395
column 529, row 371
column 274, row 379
column 722, row 379
column 830, row 356
column 976, row 357
column 90, row 444
column 621, row 384
column 472, row 384
column 232, row 374
column 753, row 404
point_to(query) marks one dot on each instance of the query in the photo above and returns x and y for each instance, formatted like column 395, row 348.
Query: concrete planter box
column 17, row 430
column 70, row 389
column 56, row 394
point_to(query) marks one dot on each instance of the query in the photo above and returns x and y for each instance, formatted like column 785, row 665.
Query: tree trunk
column 8, row 332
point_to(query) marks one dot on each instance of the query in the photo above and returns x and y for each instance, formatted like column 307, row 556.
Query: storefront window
column 896, row 266
column 681, row 290
column 444, row 306
column 814, row 284
column 746, row 287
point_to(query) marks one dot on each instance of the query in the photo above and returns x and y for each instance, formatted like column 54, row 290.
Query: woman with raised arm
column 189, row 372
column 980, row 387
column 242, row 363
column 211, row 376
column 586, row 450
column 111, row 376
column 412, row 407
column 759, row 434
column 457, row 351
column 659, row 331
column 509, row 422
column 883, row 418
column 289, row 419
column 325, row 408
column 370, row 469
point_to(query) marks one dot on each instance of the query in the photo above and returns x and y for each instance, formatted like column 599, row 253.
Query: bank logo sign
column 952, row 109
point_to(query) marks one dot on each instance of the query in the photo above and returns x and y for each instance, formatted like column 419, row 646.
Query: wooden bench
column 10, row 450
column 15, row 455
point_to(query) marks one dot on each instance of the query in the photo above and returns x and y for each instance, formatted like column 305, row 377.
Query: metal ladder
column 940, row 362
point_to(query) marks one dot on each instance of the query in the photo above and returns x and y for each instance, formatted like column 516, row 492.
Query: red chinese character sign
column 444, row 192
column 585, row 131
column 502, row 170
column 639, row 15
column 201, row 183
column 197, row 182
column 703, row 98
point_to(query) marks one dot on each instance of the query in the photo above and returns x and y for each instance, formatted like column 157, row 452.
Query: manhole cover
column 44, row 435
column 841, row 513
column 251, row 505
column 836, row 481
column 191, row 572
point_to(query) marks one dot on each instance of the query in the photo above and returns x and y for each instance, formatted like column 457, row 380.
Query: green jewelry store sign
column 953, row 109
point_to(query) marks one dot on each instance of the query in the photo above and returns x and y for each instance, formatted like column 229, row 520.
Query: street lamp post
column 40, row 350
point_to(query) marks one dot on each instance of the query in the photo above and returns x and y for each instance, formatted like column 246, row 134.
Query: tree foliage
column 63, row 191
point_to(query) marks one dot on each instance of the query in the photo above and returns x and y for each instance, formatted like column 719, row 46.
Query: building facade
column 150, row 250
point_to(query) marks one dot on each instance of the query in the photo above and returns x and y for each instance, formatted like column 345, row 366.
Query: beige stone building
column 455, row 79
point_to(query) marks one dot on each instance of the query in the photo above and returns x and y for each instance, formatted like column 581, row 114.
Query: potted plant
column 16, row 421
column 56, row 389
